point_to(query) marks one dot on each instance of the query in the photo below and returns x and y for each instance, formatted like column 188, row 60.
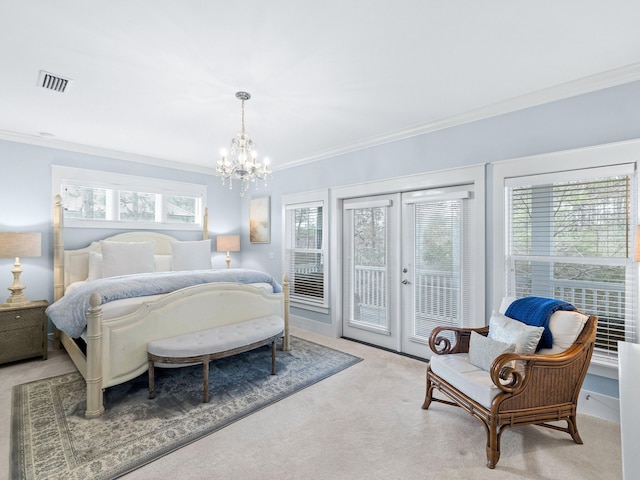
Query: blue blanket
column 537, row 311
column 69, row 313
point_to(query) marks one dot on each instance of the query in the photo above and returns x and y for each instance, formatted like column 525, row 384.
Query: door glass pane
column 368, row 296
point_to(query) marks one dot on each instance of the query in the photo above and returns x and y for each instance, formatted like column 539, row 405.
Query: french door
column 371, row 279
column 404, row 268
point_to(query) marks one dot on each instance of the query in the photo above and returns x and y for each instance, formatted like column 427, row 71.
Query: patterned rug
column 50, row 438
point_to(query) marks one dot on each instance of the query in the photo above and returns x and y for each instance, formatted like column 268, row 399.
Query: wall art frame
column 260, row 220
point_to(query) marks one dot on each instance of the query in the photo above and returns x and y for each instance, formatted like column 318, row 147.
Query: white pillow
column 95, row 266
column 484, row 350
column 565, row 327
column 126, row 258
column 505, row 329
column 195, row 255
column 162, row 263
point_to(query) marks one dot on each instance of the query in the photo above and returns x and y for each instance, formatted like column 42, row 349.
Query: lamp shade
column 20, row 244
column 228, row 243
column 637, row 248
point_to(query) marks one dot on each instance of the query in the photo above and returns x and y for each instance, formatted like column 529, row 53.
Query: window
column 305, row 252
column 102, row 199
column 569, row 236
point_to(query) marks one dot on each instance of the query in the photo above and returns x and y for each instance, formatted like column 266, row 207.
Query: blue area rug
column 50, row 438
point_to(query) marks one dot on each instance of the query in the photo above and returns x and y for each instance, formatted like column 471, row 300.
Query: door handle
column 405, row 282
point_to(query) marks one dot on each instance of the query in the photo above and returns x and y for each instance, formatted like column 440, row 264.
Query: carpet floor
column 50, row 438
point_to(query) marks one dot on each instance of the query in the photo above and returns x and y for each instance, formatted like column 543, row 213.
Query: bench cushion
column 219, row 339
column 458, row 371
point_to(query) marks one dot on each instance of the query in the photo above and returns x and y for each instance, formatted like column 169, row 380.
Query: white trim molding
column 598, row 405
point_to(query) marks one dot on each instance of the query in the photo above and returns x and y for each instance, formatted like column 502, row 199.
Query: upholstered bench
column 215, row 343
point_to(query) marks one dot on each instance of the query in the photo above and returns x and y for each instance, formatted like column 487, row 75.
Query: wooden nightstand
column 23, row 331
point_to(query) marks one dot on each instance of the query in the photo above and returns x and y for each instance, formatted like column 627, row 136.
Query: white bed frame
column 116, row 349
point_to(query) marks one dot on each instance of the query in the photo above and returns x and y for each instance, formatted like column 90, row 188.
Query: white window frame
column 114, row 182
column 551, row 163
column 291, row 201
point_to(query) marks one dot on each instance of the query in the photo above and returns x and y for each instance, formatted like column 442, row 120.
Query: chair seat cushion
column 459, row 372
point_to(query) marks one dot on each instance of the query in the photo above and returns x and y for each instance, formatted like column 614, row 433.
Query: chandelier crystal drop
column 241, row 163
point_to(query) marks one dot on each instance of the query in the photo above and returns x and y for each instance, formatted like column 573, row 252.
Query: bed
column 111, row 347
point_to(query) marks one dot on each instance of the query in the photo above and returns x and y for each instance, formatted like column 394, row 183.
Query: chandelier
column 242, row 163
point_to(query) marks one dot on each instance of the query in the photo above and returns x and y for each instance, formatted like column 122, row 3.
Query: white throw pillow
column 195, row 255
column 95, row 266
column 484, row 350
column 126, row 258
column 505, row 329
column 565, row 327
column 162, row 263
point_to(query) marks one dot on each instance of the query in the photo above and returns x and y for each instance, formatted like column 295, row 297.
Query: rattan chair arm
column 508, row 378
column 441, row 345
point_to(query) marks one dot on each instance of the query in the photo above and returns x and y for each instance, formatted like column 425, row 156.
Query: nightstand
column 23, row 331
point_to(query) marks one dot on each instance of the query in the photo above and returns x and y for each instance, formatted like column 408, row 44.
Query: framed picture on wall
column 260, row 220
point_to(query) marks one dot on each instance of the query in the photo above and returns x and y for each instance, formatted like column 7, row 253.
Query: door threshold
column 387, row 349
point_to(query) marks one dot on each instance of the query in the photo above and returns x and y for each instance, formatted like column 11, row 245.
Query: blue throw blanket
column 69, row 313
column 537, row 311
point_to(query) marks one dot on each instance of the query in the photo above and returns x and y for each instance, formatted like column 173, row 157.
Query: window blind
column 441, row 276
column 305, row 253
column 571, row 240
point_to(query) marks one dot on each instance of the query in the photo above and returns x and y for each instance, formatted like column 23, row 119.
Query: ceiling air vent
column 53, row 82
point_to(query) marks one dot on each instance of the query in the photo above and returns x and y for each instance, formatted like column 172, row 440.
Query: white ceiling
column 156, row 79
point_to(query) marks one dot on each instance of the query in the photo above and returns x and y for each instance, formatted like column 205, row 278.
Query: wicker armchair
column 542, row 388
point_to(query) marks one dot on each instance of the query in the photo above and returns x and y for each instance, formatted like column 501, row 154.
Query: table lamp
column 228, row 243
column 16, row 245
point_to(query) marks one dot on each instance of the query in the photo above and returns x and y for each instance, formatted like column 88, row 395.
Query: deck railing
column 437, row 293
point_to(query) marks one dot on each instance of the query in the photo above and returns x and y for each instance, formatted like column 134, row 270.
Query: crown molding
column 101, row 152
column 592, row 83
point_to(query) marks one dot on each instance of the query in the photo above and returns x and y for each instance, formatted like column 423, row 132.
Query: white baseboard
column 598, row 405
column 316, row 327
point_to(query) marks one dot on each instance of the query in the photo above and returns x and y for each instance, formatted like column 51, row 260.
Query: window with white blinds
column 570, row 237
column 305, row 252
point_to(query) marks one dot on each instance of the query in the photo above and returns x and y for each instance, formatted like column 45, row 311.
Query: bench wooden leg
column 152, row 393
column 205, row 373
